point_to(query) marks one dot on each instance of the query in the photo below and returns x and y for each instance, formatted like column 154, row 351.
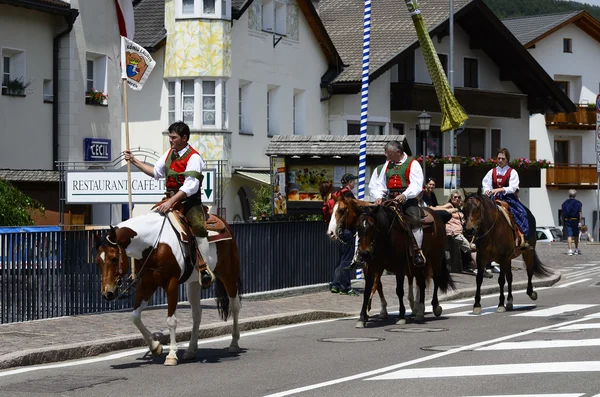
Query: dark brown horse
column 385, row 243
column 495, row 241
column 160, row 263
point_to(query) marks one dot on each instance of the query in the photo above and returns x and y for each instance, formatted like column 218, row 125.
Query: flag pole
column 127, row 146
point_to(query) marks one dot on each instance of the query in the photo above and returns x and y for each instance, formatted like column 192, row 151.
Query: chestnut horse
column 159, row 262
column 495, row 241
column 384, row 243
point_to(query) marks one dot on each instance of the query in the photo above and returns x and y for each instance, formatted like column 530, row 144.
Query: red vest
column 178, row 165
column 500, row 181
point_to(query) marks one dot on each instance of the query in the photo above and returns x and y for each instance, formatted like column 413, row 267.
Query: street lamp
column 424, row 123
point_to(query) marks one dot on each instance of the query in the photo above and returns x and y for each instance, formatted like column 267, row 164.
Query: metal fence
column 54, row 274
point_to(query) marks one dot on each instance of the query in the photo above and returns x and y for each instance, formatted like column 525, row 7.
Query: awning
column 260, row 176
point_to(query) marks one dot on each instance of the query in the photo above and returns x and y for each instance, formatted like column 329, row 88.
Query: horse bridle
column 131, row 283
column 481, row 219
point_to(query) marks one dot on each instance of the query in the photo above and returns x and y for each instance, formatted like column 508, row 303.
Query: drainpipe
column 70, row 19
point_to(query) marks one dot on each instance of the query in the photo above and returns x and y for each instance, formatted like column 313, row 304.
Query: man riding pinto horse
column 182, row 167
column 401, row 179
column 501, row 183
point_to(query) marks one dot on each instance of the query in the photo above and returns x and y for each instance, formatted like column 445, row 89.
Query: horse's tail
column 223, row 299
column 444, row 279
column 539, row 269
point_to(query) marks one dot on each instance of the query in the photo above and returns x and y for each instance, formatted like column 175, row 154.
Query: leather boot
column 207, row 277
column 419, row 259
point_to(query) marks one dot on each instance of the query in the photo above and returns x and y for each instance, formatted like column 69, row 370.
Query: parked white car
column 548, row 234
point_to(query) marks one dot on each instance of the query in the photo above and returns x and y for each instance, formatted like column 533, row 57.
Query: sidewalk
column 67, row 338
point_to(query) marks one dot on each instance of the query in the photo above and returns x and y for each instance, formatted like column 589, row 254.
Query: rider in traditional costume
column 501, row 183
column 401, row 179
column 182, row 167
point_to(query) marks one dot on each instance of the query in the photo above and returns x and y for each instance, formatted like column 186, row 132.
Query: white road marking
column 136, row 352
column 573, row 283
column 488, row 310
column 534, row 395
column 420, row 360
column 553, row 311
column 429, row 309
column 581, row 326
column 497, row 369
column 542, row 344
column 586, row 272
column 495, row 295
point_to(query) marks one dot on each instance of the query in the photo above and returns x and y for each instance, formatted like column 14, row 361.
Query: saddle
column 504, row 208
column 217, row 231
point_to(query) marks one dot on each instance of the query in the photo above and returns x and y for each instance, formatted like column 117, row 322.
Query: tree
column 16, row 208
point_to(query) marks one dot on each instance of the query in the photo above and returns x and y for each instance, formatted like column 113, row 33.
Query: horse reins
column 481, row 218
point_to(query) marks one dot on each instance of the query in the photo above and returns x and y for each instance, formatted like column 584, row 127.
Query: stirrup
column 419, row 252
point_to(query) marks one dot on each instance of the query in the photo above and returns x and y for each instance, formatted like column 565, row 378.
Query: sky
column 591, row 2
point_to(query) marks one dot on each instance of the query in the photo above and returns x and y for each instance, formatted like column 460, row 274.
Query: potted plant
column 15, row 87
column 95, row 97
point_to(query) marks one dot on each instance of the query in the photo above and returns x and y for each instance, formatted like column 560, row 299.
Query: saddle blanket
column 215, row 227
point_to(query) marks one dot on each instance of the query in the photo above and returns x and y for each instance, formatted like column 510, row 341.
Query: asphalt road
column 550, row 347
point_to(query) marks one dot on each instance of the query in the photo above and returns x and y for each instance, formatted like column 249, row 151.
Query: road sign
column 208, row 186
column 598, row 103
column 598, row 162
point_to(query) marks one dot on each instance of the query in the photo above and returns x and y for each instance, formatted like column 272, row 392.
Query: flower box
column 97, row 98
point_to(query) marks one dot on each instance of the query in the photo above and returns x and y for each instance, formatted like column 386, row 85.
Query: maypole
column 453, row 115
column 364, row 101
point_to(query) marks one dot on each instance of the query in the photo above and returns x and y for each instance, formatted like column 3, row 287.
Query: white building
column 58, row 50
column 567, row 46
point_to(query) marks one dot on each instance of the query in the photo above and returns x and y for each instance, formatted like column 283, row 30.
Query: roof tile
column 527, row 29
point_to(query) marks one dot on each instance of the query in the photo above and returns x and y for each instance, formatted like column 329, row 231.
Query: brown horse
column 160, row 263
column 384, row 244
column 494, row 239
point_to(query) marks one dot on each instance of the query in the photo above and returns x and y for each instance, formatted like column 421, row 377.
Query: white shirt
column 378, row 183
column 513, row 182
column 190, row 185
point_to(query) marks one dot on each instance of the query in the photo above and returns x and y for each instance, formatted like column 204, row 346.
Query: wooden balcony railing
column 584, row 118
column 573, row 176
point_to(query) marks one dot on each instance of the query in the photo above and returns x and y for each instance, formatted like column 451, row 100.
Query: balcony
column 583, row 119
column 573, row 176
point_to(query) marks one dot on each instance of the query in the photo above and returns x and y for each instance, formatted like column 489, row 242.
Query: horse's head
column 325, row 188
column 474, row 214
column 343, row 216
column 367, row 231
column 112, row 260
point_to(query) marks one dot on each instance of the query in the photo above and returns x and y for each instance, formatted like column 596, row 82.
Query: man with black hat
column 571, row 214
column 341, row 276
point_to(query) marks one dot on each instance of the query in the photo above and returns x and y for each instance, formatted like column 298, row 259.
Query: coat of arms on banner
column 137, row 65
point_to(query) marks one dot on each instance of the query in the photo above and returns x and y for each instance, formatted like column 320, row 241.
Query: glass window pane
column 6, row 65
column 187, row 6
column 188, row 110
column 209, row 6
column 208, row 88
column 171, row 117
column 208, row 118
column 171, row 87
column 187, row 87
column 90, row 70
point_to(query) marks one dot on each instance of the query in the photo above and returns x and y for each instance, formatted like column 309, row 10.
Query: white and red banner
column 125, row 18
column 136, row 63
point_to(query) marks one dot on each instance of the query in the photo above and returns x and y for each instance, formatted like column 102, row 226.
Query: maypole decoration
column 364, row 101
column 453, row 115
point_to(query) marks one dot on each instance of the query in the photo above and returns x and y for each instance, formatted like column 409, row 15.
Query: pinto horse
column 384, row 243
column 159, row 262
column 494, row 239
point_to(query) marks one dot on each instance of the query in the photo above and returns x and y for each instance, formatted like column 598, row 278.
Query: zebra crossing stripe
column 542, row 344
column 488, row 310
column 537, row 395
column 497, row 369
column 577, row 327
column 553, row 311
column 574, row 282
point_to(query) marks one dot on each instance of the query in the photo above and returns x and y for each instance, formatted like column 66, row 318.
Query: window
column 204, row 9
column 406, row 68
column 171, row 99
column 89, row 76
column 561, row 152
column 268, row 15
column 563, row 86
column 96, row 73
column 241, row 109
column 372, row 128
column 567, row 45
column 274, row 16
column 434, row 141
column 496, row 142
column 280, row 17
column 195, row 102
column 298, row 109
column 471, row 143
column 471, row 70
column 224, row 117
column 48, row 94
column 397, row 129
column 444, row 62
column 13, row 67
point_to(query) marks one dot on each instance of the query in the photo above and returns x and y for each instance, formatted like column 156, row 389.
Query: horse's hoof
column 401, row 321
column 420, row 318
column 533, row 296
column 477, row 310
column 437, row 311
column 170, row 361
column 234, row 349
column 158, row 351
column 500, row 309
column 189, row 355
column 360, row 324
column 509, row 306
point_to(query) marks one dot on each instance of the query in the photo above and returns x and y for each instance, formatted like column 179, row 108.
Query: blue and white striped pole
column 364, row 107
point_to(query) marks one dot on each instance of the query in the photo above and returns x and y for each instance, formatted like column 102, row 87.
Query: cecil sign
column 111, row 187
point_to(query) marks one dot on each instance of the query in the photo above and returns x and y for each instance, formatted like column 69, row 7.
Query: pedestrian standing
column 571, row 214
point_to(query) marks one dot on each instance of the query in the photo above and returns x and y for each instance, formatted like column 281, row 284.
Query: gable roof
column 329, row 145
column 150, row 29
column 393, row 34
column 50, row 6
column 529, row 30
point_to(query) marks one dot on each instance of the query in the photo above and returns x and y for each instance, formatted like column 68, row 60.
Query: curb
column 135, row 340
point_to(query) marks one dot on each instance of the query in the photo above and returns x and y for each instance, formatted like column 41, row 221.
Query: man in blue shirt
column 571, row 214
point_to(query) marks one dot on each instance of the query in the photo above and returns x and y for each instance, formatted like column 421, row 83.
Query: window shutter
column 533, row 149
